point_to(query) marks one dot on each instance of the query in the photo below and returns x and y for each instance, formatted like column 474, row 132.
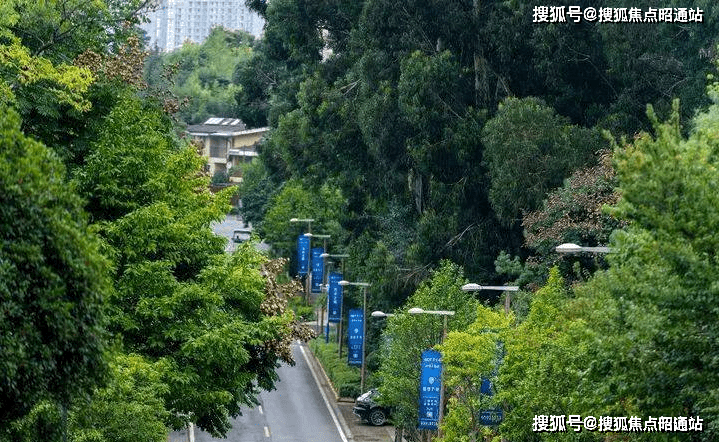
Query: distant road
column 227, row 227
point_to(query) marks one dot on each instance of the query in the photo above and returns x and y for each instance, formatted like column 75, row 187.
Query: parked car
column 241, row 235
column 367, row 408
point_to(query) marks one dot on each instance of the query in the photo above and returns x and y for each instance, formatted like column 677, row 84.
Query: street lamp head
column 325, row 255
column 309, row 235
column 415, row 310
column 358, row 284
column 568, row 248
column 471, row 287
column 293, row 220
column 378, row 314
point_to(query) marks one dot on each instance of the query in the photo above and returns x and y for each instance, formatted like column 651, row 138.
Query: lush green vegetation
column 200, row 76
column 438, row 143
column 460, row 131
column 121, row 316
column 345, row 379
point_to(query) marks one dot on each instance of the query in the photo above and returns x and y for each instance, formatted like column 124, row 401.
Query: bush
column 345, row 379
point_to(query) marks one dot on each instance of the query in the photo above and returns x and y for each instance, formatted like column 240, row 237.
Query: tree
column 202, row 75
column 665, row 262
column 179, row 300
column 529, row 151
column 54, row 280
column 471, row 357
column 294, row 200
column 406, row 336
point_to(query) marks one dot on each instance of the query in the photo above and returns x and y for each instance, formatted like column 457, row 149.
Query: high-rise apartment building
column 172, row 22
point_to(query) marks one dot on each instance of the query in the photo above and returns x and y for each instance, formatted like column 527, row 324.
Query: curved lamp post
column 504, row 288
column 380, row 314
column 573, row 248
column 364, row 286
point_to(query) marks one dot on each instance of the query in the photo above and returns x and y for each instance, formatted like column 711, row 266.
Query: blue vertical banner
column 355, row 337
column 303, row 255
column 430, row 385
column 334, row 297
column 318, row 268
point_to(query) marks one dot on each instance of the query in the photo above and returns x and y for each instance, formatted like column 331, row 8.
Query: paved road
column 294, row 412
column 226, row 227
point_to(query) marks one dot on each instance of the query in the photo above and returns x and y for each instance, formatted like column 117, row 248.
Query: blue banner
column 486, row 387
column 430, row 386
column 355, row 337
column 493, row 416
column 334, row 297
column 303, row 254
column 318, row 269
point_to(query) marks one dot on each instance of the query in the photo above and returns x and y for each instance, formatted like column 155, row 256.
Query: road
column 226, row 227
column 294, row 412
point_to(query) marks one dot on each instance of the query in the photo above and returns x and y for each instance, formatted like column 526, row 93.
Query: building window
column 218, row 147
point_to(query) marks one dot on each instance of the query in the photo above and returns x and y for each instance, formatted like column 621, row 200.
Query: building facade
column 173, row 22
column 226, row 143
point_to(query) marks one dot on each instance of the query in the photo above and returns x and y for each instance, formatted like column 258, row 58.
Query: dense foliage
column 53, row 280
column 119, row 306
column 201, row 76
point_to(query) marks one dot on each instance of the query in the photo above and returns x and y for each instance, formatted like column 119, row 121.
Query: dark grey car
column 367, row 408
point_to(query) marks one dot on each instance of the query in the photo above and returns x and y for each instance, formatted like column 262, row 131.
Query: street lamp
column 364, row 286
column 444, row 314
column 380, row 314
column 573, row 248
column 504, row 288
column 309, row 222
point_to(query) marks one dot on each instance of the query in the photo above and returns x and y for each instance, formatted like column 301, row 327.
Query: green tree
column 529, row 151
column 406, row 336
column 294, row 200
column 179, row 300
column 202, row 75
column 470, row 357
column 54, row 280
column 546, row 356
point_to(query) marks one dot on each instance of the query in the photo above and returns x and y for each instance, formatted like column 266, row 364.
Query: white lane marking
column 267, row 432
column 260, row 408
column 324, row 396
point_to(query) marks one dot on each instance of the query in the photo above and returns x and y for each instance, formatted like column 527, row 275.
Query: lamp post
column 342, row 257
column 504, row 288
column 573, row 248
column 309, row 222
column 444, row 314
column 364, row 286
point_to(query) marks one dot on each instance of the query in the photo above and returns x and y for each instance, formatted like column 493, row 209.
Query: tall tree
column 54, row 280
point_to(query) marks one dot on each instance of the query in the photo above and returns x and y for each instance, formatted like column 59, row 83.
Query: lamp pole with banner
column 364, row 286
column 341, row 257
column 308, row 242
column 433, row 393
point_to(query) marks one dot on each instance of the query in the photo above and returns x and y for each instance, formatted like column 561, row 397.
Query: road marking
column 267, row 432
column 324, row 396
column 260, row 408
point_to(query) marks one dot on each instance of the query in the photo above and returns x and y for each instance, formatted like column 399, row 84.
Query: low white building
column 226, row 143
